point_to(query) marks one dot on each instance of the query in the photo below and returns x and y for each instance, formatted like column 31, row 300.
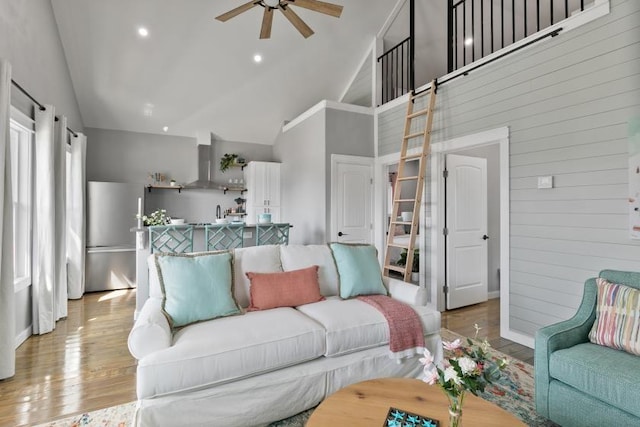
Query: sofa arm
column 406, row 292
column 559, row 336
column 151, row 331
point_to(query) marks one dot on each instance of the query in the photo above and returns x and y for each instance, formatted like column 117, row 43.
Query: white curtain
column 61, row 294
column 75, row 216
column 7, row 293
column 44, row 223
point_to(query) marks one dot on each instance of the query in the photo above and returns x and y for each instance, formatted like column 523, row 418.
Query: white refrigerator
column 111, row 245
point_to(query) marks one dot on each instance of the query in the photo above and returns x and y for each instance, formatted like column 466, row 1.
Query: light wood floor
column 84, row 364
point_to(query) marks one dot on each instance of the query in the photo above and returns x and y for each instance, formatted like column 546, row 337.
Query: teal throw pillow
column 358, row 269
column 196, row 287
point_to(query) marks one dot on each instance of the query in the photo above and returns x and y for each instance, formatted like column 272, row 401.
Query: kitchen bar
column 200, row 237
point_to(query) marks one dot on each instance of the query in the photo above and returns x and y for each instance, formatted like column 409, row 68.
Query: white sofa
column 263, row 366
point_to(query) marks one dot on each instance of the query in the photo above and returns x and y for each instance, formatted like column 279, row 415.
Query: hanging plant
column 226, row 161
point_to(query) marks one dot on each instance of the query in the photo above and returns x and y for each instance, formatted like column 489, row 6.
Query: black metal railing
column 397, row 70
column 478, row 28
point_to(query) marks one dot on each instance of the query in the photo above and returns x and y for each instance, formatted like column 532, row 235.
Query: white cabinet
column 263, row 190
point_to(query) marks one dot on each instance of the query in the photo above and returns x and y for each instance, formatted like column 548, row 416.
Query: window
column 21, row 146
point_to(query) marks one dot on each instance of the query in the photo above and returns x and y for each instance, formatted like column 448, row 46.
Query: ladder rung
column 395, row 268
column 411, row 156
column 418, row 113
column 401, row 222
column 414, row 135
column 404, row 200
column 409, row 178
column 398, row 245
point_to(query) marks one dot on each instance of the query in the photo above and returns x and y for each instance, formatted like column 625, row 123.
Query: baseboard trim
column 493, row 295
column 22, row 336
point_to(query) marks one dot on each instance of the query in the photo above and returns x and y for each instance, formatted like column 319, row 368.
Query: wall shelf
column 165, row 187
column 241, row 190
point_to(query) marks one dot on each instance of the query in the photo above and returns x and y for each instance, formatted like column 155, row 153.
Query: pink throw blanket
column 406, row 337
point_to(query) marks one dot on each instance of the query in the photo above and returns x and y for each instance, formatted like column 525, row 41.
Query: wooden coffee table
column 366, row 404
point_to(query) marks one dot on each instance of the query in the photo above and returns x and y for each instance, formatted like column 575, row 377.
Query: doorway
column 351, row 199
column 494, row 146
column 467, row 227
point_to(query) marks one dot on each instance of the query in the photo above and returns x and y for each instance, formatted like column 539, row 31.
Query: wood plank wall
column 567, row 102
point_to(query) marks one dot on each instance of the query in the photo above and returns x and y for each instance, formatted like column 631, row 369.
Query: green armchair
column 578, row 383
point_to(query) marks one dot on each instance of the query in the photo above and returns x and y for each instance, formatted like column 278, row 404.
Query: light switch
column 247, row 235
column 545, row 182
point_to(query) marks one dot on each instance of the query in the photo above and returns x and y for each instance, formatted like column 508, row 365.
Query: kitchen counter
column 202, row 225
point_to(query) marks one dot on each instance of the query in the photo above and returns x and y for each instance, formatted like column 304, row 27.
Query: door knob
column 485, row 237
column 340, row 234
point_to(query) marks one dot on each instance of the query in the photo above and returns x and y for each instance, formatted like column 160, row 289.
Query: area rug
column 513, row 392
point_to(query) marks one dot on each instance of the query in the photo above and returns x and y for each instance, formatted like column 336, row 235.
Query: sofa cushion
column 354, row 325
column 295, row 257
column 256, row 259
column 230, row 348
column 196, row 287
column 285, row 289
column 617, row 323
column 358, row 270
column 609, row 375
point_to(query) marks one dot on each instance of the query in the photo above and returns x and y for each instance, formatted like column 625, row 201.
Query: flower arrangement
column 464, row 369
column 158, row 217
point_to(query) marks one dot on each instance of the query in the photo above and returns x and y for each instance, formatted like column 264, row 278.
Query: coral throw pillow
column 286, row 289
column 617, row 322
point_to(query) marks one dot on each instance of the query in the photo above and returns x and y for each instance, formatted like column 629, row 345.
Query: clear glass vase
column 455, row 410
column 455, row 418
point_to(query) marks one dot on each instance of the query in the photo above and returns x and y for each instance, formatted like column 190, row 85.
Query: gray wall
column 122, row 156
column 492, row 154
column 305, row 152
column 301, row 150
column 29, row 39
column 567, row 102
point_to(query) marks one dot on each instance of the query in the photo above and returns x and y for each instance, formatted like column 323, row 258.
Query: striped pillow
column 617, row 322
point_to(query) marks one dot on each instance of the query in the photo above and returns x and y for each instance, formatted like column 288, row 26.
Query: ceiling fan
column 284, row 7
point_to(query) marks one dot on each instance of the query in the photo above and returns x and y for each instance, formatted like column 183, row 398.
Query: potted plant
column 227, row 160
column 158, row 217
column 415, row 266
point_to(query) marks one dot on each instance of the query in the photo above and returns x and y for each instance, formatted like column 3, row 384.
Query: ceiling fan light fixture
column 272, row 3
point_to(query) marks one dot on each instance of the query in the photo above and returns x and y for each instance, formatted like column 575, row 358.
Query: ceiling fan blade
column 319, row 6
column 237, row 11
column 296, row 21
column 267, row 21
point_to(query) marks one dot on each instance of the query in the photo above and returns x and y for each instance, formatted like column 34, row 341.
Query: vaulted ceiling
column 195, row 74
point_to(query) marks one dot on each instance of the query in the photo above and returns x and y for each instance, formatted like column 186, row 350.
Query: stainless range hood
column 205, row 168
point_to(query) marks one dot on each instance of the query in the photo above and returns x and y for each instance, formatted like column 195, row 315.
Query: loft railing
column 397, row 70
column 478, row 28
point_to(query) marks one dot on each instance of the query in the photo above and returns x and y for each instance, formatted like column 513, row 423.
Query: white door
column 466, row 241
column 351, row 199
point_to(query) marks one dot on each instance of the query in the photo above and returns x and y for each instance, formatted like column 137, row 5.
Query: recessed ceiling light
column 143, row 32
column 166, row 128
column 468, row 41
column 257, row 58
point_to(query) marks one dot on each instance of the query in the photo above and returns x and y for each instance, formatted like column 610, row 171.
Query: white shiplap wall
column 567, row 102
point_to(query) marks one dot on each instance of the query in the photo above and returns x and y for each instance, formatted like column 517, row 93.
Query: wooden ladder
column 416, row 198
